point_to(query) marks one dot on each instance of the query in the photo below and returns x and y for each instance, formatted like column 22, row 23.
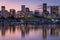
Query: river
column 29, row 32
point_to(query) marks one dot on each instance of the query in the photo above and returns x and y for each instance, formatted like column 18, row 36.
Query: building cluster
column 26, row 12
column 54, row 11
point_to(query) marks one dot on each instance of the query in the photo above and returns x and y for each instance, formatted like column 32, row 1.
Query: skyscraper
column 27, row 12
column 0, row 14
column 12, row 12
column 23, row 8
column 3, row 8
column 54, row 9
column 45, row 12
column 44, row 7
column 27, row 9
column 36, row 12
column 19, row 14
column 6, row 14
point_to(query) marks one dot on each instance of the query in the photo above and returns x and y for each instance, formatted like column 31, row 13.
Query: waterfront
column 30, row 21
column 26, row 32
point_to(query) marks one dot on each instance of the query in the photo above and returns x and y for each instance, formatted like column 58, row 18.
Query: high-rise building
column 31, row 13
column 23, row 8
column 44, row 7
column 45, row 12
column 27, row 9
column 0, row 14
column 3, row 8
column 54, row 9
column 27, row 12
column 12, row 12
column 19, row 14
column 36, row 12
column 6, row 14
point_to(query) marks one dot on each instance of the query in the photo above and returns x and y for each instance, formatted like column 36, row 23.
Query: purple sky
column 32, row 4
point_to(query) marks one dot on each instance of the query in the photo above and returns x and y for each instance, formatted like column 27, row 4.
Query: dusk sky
column 32, row 4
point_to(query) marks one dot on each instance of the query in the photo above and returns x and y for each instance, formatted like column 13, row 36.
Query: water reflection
column 54, row 31
column 24, row 30
column 29, row 32
column 44, row 32
column 12, row 28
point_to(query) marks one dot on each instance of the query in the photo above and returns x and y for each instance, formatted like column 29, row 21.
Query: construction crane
column 41, row 6
column 48, row 7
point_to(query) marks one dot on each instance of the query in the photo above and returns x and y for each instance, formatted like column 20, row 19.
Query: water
column 29, row 32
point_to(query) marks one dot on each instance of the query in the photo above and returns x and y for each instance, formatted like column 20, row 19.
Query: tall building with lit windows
column 36, row 12
column 27, row 12
column 19, row 14
column 45, row 12
column 12, row 12
column 44, row 7
column 27, row 9
column 2, row 10
column 54, row 11
column 4, row 13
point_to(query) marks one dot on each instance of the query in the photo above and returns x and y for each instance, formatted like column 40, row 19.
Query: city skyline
column 32, row 4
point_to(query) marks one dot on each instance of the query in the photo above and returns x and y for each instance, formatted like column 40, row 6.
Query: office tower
column 45, row 12
column 2, row 8
column 6, row 14
column 31, row 12
column 23, row 8
column 44, row 7
column 19, row 14
column 54, row 9
column 0, row 14
column 27, row 9
column 36, row 12
column 27, row 12
column 3, row 11
column 12, row 12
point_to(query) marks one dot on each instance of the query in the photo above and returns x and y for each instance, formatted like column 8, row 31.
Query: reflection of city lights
column 53, row 20
column 44, row 34
column 57, row 20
